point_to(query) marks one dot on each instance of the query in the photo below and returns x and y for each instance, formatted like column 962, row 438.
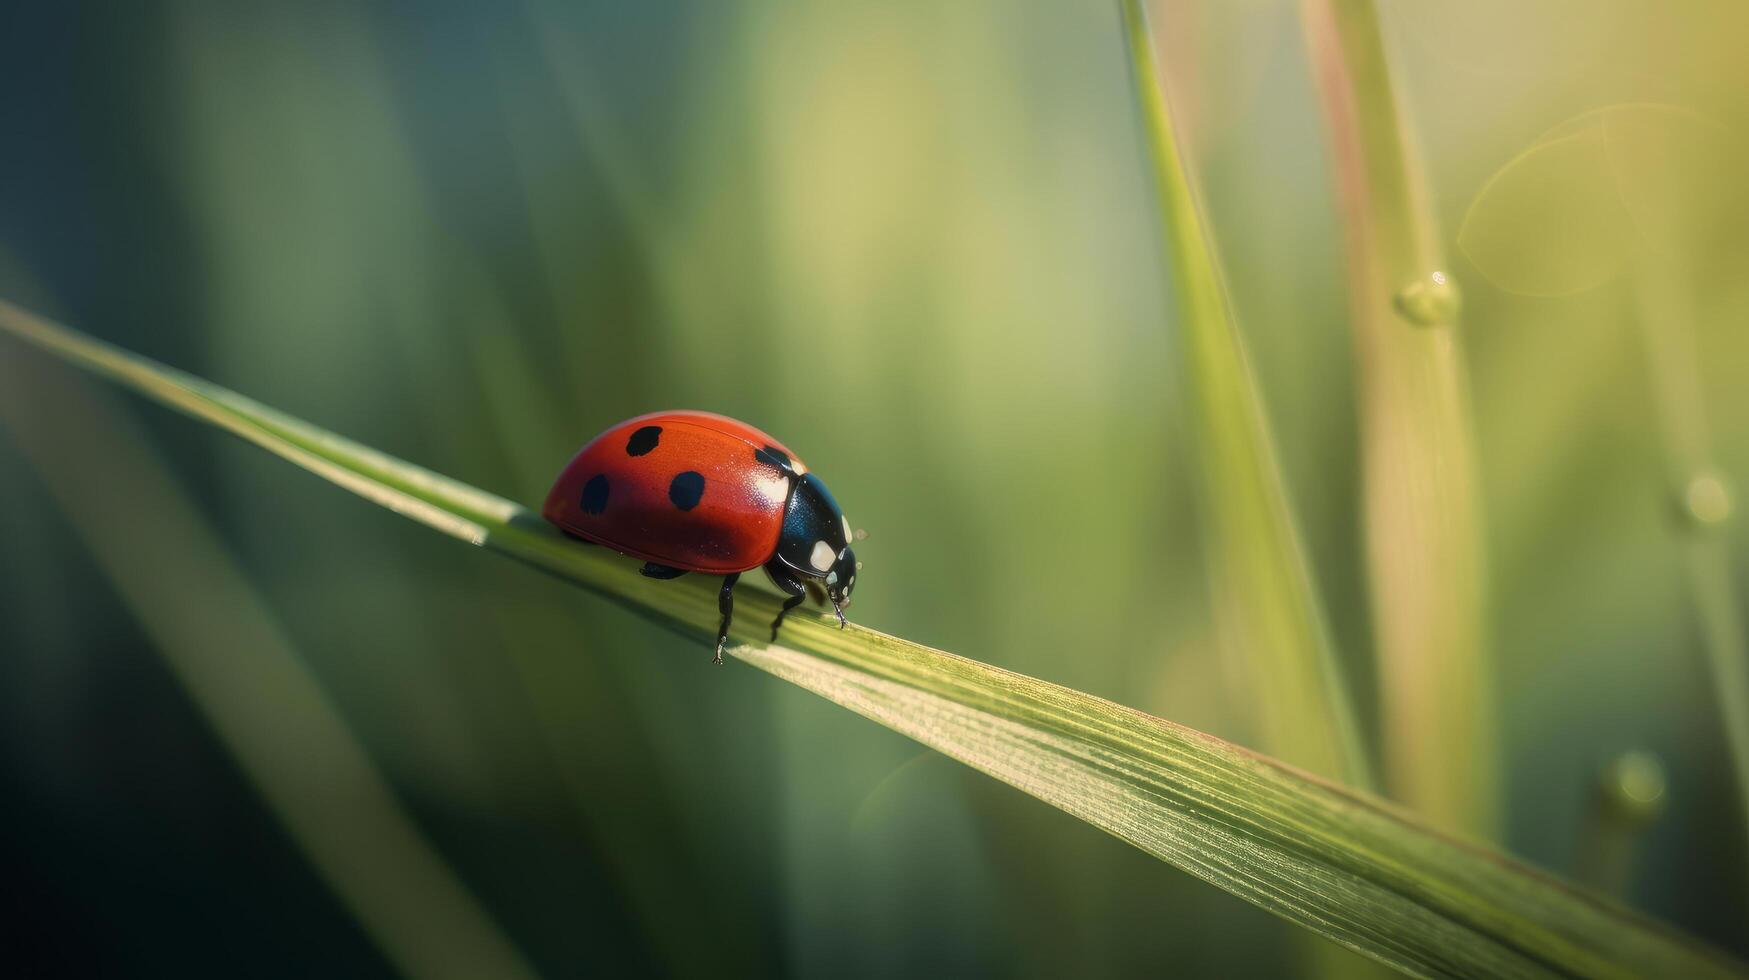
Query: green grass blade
column 1665, row 306
column 227, row 650
column 1341, row 864
column 1266, row 608
column 1419, row 487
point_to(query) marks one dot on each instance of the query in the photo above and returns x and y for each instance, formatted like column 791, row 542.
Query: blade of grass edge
column 1420, row 500
column 231, row 657
column 1347, row 866
column 1267, row 611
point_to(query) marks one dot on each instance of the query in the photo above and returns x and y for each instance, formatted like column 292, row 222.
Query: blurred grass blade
column 1665, row 308
column 225, row 648
column 1419, row 487
column 1266, row 609
column 1645, row 185
column 1338, row 863
column 1626, row 800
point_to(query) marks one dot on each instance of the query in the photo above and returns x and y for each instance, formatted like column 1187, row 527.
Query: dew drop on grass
column 1633, row 784
column 1428, row 301
column 1706, row 500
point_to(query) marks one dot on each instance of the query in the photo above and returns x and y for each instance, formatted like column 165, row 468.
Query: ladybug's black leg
column 653, row 570
column 788, row 581
column 725, row 605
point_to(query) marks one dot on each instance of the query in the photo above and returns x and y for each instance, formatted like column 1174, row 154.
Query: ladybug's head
column 815, row 541
column 840, row 580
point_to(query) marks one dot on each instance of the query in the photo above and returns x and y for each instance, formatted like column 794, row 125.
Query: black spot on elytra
column 686, row 490
column 595, row 494
column 643, row 440
column 773, row 456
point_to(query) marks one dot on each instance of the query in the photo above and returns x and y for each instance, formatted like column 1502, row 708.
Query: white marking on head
column 832, row 578
column 822, row 557
column 848, row 534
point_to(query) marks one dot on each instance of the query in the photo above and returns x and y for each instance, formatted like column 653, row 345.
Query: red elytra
column 700, row 492
column 733, row 525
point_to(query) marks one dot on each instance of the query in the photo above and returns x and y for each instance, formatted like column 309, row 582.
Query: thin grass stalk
column 1266, row 608
column 234, row 661
column 1421, row 506
column 1703, row 497
column 1625, row 802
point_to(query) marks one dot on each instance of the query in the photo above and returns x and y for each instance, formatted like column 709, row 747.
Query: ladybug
column 699, row 492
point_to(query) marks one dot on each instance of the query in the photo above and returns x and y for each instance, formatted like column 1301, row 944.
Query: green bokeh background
column 914, row 241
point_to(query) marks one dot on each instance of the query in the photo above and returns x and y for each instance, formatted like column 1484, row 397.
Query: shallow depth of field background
column 914, row 242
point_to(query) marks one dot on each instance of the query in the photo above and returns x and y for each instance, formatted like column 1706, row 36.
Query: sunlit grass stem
column 1267, row 610
column 1419, row 487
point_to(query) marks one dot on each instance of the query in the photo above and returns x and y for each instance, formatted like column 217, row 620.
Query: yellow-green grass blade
column 1342, row 864
column 227, row 650
column 1266, row 608
column 1666, row 311
column 1419, row 486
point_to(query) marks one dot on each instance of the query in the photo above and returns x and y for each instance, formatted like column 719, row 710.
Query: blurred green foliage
column 1341, row 864
column 916, row 242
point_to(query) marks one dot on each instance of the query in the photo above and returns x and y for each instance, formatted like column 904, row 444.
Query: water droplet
column 1706, row 500
column 1429, row 301
column 1633, row 785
